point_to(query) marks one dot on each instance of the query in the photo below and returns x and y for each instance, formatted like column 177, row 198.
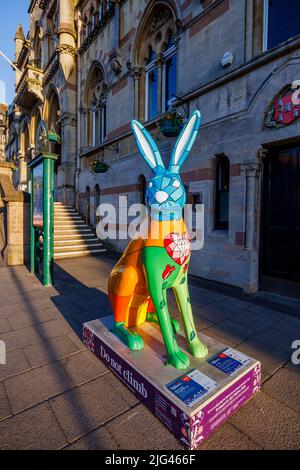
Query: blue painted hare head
column 165, row 193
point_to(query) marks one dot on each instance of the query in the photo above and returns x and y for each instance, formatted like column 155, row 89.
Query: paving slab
column 36, row 428
column 9, row 310
column 232, row 304
column 44, row 352
column 124, row 391
column 278, row 339
column 213, row 313
column 266, row 312
column 33, row 305
column 28, row 318
column 139, row 429
column 252, row 320
column 4, row 325
column 284, row 387
column 227, row 437
column 100, row 439
column 271, row 359
column 269, row 423
column 289, row 325
column 36, row 385
column 76, row 337
column 87, row 407
column 230, row 332
column 53, row 328
column 83, row 366
column 19, row 338
column 5, row 409
column 16, row 362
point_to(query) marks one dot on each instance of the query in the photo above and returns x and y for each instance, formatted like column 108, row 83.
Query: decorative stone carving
column 68, row 119
column 161, row 17
column 67, row 49
column 52, row 70
column 115, row 61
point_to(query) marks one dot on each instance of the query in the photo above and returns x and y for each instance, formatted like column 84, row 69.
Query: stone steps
column 72, row 237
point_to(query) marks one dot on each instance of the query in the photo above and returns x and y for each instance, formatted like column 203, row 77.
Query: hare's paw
column 178, row 360
column 131, row 339
column 198, row 349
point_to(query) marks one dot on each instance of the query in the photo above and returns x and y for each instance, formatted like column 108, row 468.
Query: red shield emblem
column 287, row 108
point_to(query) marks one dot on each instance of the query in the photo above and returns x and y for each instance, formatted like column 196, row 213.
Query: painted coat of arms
column 285, row 109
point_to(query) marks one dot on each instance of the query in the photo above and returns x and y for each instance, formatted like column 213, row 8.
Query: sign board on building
column 38, row 195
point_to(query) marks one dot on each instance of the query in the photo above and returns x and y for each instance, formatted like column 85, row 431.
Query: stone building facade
column 235, row 60
column 3, row 130
column 46, row 90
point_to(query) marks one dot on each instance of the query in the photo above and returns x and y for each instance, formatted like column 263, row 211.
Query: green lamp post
column 42, row 202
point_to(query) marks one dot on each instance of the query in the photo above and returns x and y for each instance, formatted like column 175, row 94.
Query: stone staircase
column 72, row 237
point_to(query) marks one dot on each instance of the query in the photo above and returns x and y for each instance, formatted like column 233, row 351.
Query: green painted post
column 46, row 158
column 48, row 219
column 32, row 231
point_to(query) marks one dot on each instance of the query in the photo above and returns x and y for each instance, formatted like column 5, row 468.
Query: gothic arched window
column 151, row 86
column 96, row 105
column 156, row 55
column 169, row 73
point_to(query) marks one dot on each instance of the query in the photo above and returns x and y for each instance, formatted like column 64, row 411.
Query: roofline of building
column 31, row 6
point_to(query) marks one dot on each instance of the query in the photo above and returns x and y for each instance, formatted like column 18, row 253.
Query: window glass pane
column 170, row 79
column 152, row 93
column 222, row 194
column 284, row 21
column 103, row 123
column 96, row 127
column 224, row 206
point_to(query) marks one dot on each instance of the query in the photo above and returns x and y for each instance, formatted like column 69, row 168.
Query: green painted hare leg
column 152, row 317
column 154, row 263
column 197, row 348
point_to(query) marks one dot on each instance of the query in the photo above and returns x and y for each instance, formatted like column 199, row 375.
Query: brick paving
column 54, row 394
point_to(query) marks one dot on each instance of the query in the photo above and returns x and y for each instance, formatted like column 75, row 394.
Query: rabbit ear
column 185, row 142
column 147, row 147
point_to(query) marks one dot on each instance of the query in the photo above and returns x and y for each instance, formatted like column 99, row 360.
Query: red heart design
column 168, row 271
column 178, row 247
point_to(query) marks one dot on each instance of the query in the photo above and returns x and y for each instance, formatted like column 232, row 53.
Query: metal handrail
column 88, row 205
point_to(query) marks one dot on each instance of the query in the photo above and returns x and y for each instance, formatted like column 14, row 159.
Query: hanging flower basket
column 98, row 167
column 170, row 124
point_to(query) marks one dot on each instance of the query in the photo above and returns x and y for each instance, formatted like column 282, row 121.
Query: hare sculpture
column 152, row 264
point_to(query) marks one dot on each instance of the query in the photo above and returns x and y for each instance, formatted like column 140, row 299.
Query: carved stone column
column 66, row 173
column 22, row 172
column 136, row 75
column 252, row 172
column 67, row 38
column 159, row 62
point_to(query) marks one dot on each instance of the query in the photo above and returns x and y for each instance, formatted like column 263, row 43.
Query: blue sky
column 12, row 13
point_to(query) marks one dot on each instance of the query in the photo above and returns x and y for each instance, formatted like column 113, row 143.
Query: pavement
column 54, row 394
